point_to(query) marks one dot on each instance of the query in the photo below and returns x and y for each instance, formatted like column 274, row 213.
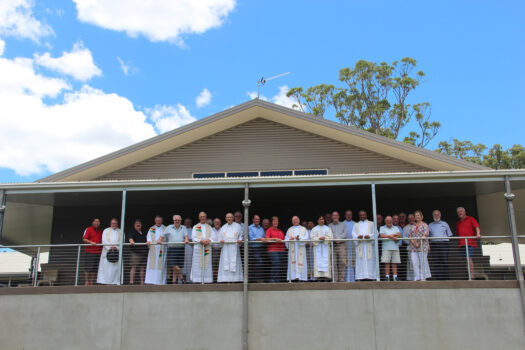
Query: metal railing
column 338, row 260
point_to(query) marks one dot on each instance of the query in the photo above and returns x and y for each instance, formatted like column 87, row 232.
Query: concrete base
column 297, row 316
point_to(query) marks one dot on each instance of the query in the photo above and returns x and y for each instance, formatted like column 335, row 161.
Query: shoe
column 387, row 279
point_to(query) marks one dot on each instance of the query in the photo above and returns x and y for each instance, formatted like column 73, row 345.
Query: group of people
column 164, row 253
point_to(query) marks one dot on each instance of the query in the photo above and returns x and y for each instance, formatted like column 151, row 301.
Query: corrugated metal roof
column 517, row 174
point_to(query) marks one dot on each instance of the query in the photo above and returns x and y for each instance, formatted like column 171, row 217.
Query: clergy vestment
column 155, row 271
column 108, row 272
column 201, row 260
column 188, row 255
column 321, row 249
column 230, row 265
column 365, row 265
column 297, row 257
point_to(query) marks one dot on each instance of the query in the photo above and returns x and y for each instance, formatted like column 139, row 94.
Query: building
column 284, row 161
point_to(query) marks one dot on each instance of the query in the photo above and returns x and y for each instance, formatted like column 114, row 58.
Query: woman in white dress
column 108, row 271
column 230, row 265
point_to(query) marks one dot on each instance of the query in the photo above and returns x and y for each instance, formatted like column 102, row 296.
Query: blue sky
column 472, row 52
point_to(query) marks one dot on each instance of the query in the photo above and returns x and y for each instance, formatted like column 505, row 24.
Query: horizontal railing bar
column 258, row 242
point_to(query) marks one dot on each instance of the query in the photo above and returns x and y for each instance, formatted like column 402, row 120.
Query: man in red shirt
column 467, row 226
column 93, row 236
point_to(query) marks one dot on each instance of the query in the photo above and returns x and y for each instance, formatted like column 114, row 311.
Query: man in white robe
column 321, row 236
column 297, row 257
column 230, row 265
column 155, row 269
column 365, row 265
column 108, row 272
column 201, row 261
column 188, row 252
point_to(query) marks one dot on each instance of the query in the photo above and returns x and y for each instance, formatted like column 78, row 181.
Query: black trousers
column 439, row 260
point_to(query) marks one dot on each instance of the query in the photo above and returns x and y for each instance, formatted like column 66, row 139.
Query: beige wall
column 262, row 145
column 492, row 212
column 26, row 223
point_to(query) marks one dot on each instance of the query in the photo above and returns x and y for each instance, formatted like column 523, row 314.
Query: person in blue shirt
column 257, row 250
column 439, row 246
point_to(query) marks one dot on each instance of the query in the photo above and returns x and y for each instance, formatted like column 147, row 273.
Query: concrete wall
column 480, row 318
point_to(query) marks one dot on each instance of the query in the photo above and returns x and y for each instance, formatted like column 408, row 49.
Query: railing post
column 35, row 268
column 376, row 238
column 422, row 260
column 332, row 260
column 121, row 247
column 468, row 259
column 289, row 262
column 202, row 262
column 246, row 204
column 78, row 264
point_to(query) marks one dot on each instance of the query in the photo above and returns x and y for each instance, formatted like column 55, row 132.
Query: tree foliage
column 496, row 157
column 373, row 97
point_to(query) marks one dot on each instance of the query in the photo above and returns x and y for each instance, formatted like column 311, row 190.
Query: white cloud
column 167, row 118
column 123, row 66
column 2, row 47
column 280, row 98
column 253, row 94
column 78, row 63
column 157, row 20
column 19, row 78
column 16, row 19
column 38, row 137
column 203, row 99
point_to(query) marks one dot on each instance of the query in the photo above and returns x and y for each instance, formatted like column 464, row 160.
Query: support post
column 3, row 197
column 509, row 196
column 246, row 204
column 121, row 246
column 376, row 245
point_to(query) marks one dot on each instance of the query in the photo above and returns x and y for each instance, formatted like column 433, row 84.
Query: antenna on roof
column 263, row 81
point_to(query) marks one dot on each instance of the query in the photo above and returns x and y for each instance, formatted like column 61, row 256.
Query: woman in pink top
column 419, row 254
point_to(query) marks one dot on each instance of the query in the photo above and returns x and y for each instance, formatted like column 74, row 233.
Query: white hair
column 177, row 216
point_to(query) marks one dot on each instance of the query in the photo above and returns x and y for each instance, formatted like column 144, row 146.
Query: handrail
column 256, row 242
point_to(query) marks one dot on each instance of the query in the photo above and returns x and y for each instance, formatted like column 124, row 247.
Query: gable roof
column 247, row 111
